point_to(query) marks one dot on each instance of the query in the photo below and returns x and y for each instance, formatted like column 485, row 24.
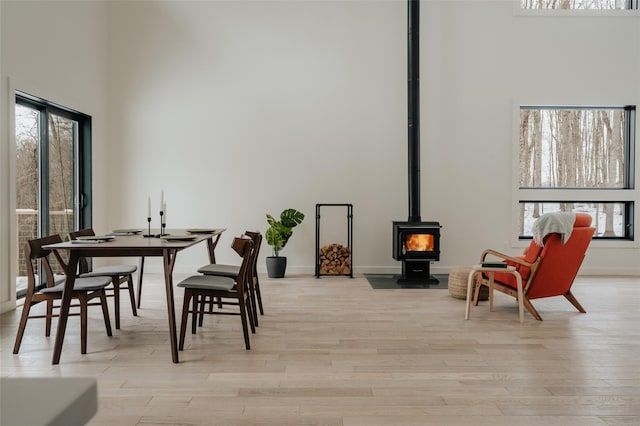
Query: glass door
column 51, row 144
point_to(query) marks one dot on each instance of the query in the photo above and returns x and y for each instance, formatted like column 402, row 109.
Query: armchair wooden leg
column 571, row 298
column 530, row 308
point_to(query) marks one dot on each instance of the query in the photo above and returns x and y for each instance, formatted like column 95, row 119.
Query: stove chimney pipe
column 413, row 95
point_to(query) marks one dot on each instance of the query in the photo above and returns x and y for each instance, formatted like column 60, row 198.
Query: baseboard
column 310, row 270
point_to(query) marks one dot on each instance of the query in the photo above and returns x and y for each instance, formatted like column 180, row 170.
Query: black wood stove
column 415, row 243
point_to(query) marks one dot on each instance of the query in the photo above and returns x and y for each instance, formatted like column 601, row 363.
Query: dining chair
column 121, row 276
column 84, row 290
column 197, row 287
column 232, row 271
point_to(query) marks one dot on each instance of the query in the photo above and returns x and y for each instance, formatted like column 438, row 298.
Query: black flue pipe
column 413, row 96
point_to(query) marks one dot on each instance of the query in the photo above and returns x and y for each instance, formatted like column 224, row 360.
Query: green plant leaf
column 291, row 218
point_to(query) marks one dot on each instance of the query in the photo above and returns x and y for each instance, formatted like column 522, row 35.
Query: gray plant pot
column 276, row 266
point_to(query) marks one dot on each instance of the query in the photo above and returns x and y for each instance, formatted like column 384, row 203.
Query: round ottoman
column 458, row 279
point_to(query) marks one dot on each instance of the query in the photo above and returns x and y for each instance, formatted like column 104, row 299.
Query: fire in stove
column 419, row 242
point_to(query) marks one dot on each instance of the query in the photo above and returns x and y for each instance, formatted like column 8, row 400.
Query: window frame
column 82, row 155
column 629, row 194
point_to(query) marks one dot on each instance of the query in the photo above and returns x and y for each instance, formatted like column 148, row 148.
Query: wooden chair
column 84, row 290
column 197, row 287
column 121, row 276
column 548, row 270
column 232, row 271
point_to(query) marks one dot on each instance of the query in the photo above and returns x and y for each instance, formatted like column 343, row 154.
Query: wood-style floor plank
column 333, row 351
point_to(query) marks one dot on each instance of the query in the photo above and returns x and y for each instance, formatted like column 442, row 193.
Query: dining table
column 132, row 244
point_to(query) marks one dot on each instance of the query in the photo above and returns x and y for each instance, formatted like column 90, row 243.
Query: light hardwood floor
column 332, row 351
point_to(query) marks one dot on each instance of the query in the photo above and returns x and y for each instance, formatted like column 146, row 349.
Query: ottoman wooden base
column 458, row 283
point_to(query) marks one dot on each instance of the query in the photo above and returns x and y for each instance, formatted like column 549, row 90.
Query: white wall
column 237, row 109
column 310, row 98
column 57, row 51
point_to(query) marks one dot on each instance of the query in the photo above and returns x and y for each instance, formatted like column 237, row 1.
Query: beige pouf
column 458, row 279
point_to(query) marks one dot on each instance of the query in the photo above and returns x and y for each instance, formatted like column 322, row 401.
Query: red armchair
column 547, row 270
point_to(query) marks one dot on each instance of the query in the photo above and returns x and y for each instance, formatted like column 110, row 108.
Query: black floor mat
column 389, row 281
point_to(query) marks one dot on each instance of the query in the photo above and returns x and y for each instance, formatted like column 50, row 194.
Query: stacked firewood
column 335, row 259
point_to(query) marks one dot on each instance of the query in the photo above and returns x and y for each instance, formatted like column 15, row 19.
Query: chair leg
column 47, row 322
column 132, row 296
column 23, row 323
column 105, row 312
column 198, row 302
column 571, row 298
column 185, row 315
column 477, row 285
column 140, row 272
column 252, row 313
column 254, row 308
column 203, row 300
column 115, row 281
column 530, row 308
column 258, row 295
column 245, row 328
column 83, row 323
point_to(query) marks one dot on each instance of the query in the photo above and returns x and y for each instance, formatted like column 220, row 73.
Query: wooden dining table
column 136, row 245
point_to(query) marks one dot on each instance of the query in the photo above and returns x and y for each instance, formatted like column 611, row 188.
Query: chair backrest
column 244, row 247
column 86, row 232
column 34, row 251
column 559, row 263
column 257, row 242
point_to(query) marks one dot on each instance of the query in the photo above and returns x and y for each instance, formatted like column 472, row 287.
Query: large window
column 579, row 4
column 53, row 173
column 578, row 159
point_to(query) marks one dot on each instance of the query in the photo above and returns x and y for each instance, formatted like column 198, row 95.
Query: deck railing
column 27, row 229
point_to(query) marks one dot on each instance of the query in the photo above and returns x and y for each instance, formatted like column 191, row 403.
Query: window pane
column 609, row 219
column 61, row 143
column 578, row 4
column 573, row 147
column 27, row 180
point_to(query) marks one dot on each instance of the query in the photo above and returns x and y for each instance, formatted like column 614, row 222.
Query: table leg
column 470, row 288
column 140, row 273
column 211, row 248
column 65, row 305
column 169, row 260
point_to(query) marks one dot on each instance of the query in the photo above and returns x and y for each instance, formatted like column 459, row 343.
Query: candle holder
column 162, row 224
column 149, row 234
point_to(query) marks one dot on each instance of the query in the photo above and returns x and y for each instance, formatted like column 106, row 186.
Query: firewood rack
column 349, row 208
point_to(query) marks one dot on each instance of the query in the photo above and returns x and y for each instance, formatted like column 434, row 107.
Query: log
column 335, row 259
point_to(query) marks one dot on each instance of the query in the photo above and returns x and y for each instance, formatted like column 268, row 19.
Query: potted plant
column 277, row 235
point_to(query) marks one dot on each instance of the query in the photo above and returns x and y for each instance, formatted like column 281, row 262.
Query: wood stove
column 415, row 243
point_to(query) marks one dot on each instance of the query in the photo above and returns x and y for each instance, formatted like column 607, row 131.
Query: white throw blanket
column 549, row 223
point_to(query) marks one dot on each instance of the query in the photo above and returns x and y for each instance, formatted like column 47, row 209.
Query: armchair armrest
column 503, row 256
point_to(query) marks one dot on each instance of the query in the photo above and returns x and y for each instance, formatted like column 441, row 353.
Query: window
column 53, row 173
column 578, row 159
column 579, row 4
